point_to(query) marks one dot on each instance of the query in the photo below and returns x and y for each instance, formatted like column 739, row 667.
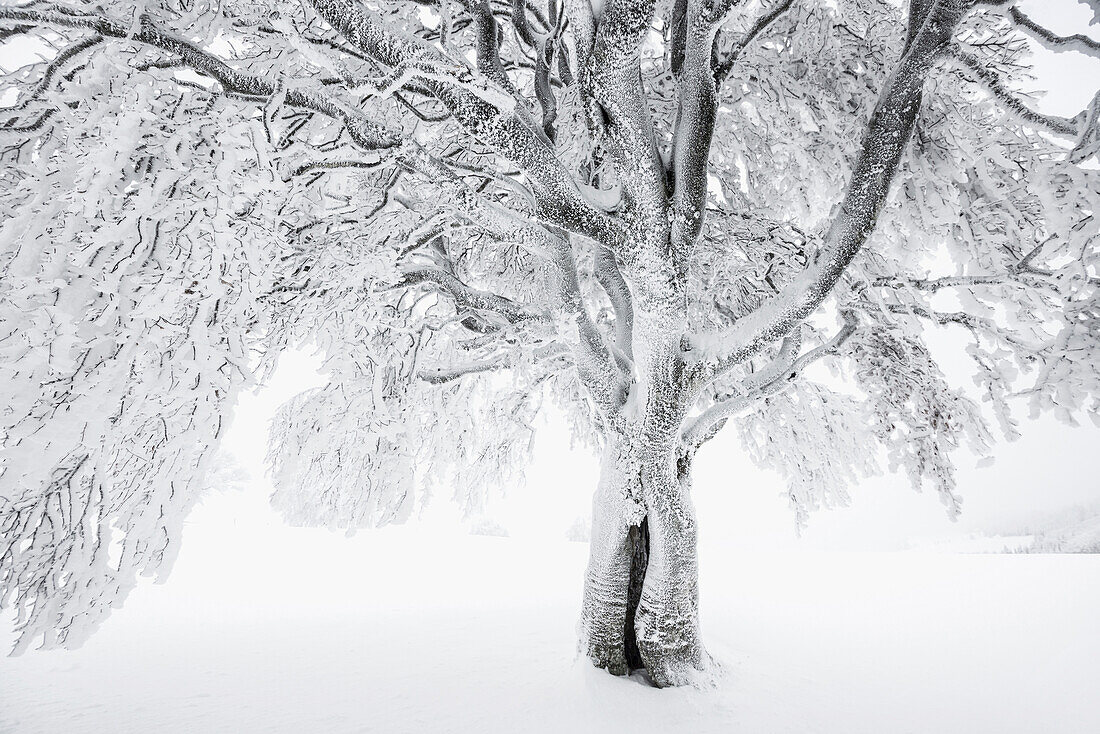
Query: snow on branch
column 466, row 297
column 366, row 133
column 439, row 374
column 697, row 105
column 619, row 109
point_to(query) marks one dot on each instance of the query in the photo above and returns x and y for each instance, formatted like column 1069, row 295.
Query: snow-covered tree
column 657, row 215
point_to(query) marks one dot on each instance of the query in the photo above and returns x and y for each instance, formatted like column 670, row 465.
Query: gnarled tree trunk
column 641, row 589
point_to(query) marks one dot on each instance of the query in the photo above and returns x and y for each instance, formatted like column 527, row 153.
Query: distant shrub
column 580, row 531
column 490, row 527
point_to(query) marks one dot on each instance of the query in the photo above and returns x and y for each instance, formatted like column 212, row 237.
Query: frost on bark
column 664, row 216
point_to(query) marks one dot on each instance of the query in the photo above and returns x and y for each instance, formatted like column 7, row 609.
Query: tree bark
column 639, row 561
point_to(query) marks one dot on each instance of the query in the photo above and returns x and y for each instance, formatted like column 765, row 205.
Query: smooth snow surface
column 396, row 631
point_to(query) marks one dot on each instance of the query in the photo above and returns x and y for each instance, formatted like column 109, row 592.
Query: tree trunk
column 641, row 589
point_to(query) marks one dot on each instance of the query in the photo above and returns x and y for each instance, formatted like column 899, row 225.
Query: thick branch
column 611, row 280
column 448, row 373
column 487, row 34
column 697, row 106
column 440, row 374
column 888, row 133
column 583, row 27
column 613, row 81
column 526, row 33
column 769, row 381
column 544, row 60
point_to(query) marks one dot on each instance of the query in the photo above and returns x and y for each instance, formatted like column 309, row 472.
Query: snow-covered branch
column 615, row 286
column 368, row 134
column 697, row 105
column 975, row 324
column 440, row 374
column 768, row 381
column 1052, row 41
column 724, row 63
column 466, row 297
column 885, row 139
column 501, row 126
column 613, row 81
column 456, row 371
column 989, row 80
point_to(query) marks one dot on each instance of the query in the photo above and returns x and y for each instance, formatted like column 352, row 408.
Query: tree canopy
column 450, row 200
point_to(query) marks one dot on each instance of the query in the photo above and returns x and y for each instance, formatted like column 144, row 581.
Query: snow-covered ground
column 266, row 628
column 395, row 631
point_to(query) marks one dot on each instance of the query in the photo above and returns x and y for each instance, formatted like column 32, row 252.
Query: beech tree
column 665, row 217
